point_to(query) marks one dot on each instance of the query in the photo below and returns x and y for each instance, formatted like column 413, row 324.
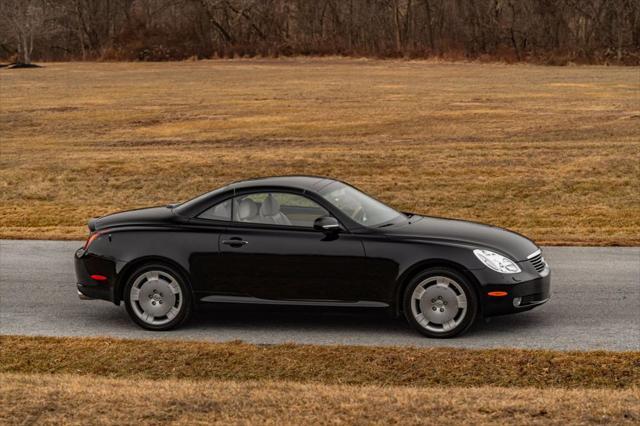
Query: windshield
column 359, row 206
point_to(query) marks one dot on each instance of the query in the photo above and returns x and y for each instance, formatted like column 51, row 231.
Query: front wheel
column 440, row 302
column 157, row 298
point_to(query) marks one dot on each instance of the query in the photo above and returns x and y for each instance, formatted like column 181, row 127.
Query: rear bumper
column 519, row 297
column 83, row 296
column 88, row 288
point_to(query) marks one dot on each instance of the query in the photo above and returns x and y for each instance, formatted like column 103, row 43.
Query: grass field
column 73, row 399
column 548, row 151
column 319, row 364
column 110, row 381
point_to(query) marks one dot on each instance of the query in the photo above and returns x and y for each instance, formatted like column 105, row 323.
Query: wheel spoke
column 175, row 288
column 421, row 320
column 151, row 276
column 135, row 293
column 462, row 301
column 448, row 325
column 443, row 284
column 418, row 292
column 172, row 313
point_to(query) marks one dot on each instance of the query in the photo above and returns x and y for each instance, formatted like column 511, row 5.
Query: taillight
column 91, row 238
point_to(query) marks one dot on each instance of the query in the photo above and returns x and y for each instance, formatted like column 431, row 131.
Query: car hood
column 501, row 240
column 147, row 216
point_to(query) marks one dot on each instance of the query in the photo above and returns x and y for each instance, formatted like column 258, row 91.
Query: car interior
column 268, row 208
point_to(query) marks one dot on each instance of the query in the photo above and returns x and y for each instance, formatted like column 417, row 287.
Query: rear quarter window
column 221, row 211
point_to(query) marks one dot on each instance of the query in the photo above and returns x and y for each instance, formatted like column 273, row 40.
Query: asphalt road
column 595, row 305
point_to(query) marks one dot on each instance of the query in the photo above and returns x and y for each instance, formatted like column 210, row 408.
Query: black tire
column 182, row 301
column 411, row 306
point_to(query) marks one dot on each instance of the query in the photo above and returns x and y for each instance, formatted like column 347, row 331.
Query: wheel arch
column 415, row 269
column 131, row 266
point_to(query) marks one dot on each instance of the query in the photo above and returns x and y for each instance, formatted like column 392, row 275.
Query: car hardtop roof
column 306, row 183
column 312, row 183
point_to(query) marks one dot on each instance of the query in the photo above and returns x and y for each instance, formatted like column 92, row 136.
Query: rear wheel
column 440, row 302
column 157, row 297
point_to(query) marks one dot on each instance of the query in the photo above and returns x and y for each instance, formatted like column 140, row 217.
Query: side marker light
column 98, row 277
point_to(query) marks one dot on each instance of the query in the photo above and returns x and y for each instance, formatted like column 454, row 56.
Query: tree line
column 543, row 31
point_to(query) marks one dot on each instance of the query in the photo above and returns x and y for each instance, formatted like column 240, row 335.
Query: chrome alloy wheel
column 156, row 297
column 438, row 304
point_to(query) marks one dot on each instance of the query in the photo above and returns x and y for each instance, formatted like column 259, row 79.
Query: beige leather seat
column 270, row 212
column 247, row 211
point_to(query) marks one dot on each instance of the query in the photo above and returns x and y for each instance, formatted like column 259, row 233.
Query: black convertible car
column 303, row 240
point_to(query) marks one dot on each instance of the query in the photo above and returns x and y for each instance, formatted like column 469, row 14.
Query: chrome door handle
column 235, row 242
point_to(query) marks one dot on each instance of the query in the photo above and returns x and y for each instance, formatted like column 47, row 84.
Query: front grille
column 538, row 262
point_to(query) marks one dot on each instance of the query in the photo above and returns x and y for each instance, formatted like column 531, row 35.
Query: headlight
column 497, row 262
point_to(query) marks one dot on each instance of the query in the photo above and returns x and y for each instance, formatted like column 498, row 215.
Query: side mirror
column 326, row 224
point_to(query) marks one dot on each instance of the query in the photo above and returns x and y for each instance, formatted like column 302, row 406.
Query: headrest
column 247, row 209
column 270, row 206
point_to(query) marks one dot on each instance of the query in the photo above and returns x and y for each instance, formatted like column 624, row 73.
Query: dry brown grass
column 108, row 381
column 72, row 399
column 388, row 366
column 550, row 152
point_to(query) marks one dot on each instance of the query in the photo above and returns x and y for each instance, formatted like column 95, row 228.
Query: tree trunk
column 350, row 28
column 30, row 51
column 396, row 20
column 429, row 26
column 26, row 53
column 20, row 57
column 514, row 42
column 226, row 35
column 620, row 34
column 80, row 31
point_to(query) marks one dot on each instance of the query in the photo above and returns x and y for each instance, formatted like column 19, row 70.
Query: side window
column 221, row 211
column 277, row 208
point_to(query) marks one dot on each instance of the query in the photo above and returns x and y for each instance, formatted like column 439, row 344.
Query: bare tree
column 550, row 31
column 27, row 19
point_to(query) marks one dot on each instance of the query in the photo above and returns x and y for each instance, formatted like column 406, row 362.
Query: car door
column 271, row 251
column 203, row 248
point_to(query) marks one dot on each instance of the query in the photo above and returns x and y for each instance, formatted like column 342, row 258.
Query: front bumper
column 500, row 299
